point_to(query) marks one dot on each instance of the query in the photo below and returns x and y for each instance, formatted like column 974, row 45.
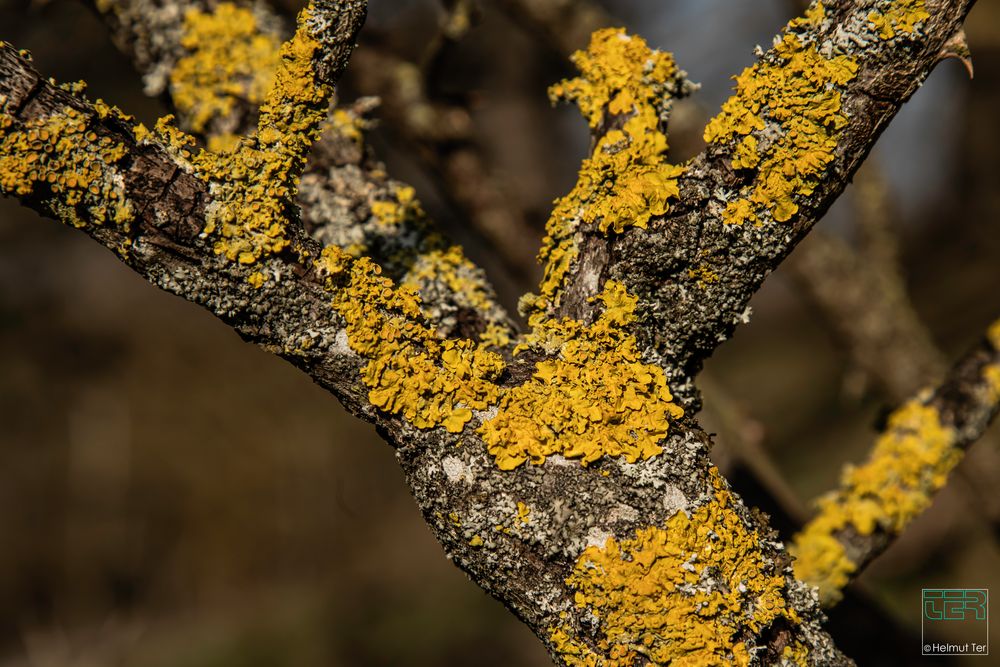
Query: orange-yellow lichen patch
column 392, row 213
column 910, row 462
column 61, row 159
column 223, row 143
column 495, row 335
column 703, row 275
column 428, row 263
column 902, row 17
column 991, row 374
column 229, row 60
column 347, row 124
column 626, row 180
column 451, row 268
column 256, row 279
column 411, row 371
column 993, row 335
column 685, row 594
column 254, row 185
column 597, row 398
column 783, row 121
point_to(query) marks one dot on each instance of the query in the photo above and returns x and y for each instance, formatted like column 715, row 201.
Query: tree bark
column 645, row 557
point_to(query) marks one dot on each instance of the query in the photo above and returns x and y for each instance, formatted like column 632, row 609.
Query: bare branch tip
column 957, row 46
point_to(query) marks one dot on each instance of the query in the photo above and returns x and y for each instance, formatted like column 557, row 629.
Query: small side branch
column 923, row 441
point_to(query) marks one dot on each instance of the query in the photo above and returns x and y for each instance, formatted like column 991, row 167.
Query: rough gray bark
column 470, row 504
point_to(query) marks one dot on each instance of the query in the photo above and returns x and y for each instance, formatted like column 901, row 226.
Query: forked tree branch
column 774, row 164
column 565, row 475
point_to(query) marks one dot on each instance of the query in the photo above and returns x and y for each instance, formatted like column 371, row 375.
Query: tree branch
column 910, row 462
column 214, row 62
column 781, row 151
column 437, row 401
column 566, row 479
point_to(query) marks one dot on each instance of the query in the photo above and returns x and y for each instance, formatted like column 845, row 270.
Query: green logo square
column 944, row 606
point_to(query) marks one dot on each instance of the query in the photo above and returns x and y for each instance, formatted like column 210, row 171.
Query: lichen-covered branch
column 563, row 471
column 215, row 63
column 455, row 411
column 862, row 296
column 922, row 441
column 782, row 149
column 170, row 212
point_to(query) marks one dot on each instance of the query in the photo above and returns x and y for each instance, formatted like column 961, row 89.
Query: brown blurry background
column 172, row 497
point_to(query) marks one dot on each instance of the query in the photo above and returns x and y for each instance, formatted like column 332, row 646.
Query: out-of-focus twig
column 443, row 135
column 865, row 305
column 566, row 24
column 742, row 437
column 458, row 18
column 862, row 295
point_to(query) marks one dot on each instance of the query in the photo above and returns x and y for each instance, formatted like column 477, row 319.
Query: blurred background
column 173, row 497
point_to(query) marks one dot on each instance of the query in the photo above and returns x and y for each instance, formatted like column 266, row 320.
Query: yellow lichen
column 347, row 124
column 223, row 143
column 901, row 17
column 451, row 268
column 703, row 275
column 61, row 159
column 256, row 279
column 991, row 373
column 785, row 119
column 627, row 179
column 596, row 398
column 686, row 594
column 392, row 213
column 495, row 335
column 909, row 463
column 993, row 335
column 229, row 60
column 523, row 513
column 253, row 185
column 411, row 371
